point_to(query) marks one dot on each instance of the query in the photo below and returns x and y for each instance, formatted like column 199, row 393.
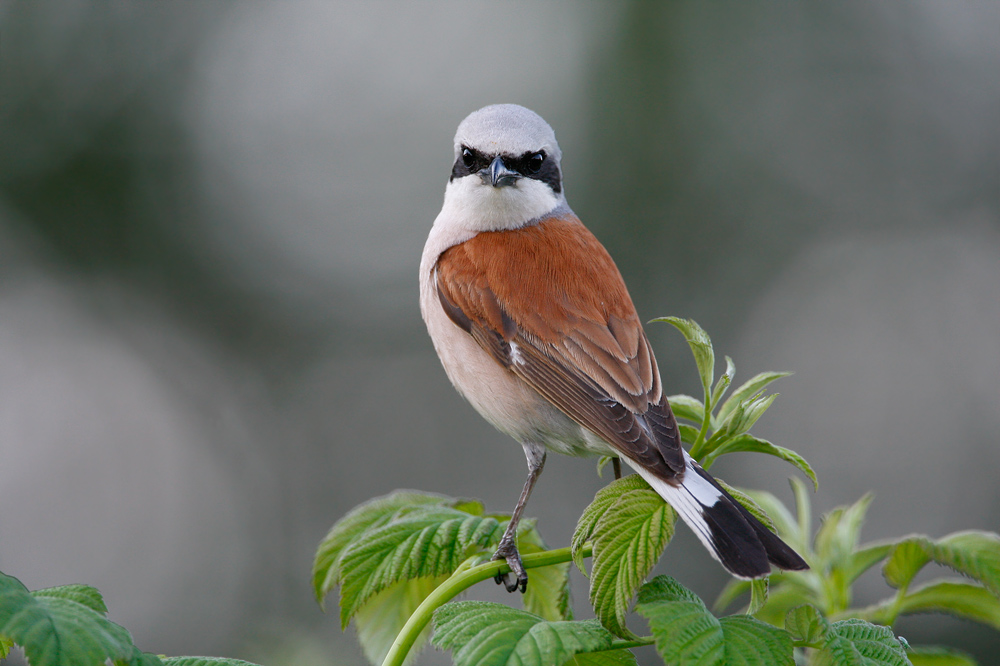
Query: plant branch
column 464, row 578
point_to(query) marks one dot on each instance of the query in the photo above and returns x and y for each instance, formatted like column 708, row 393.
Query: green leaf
column 602, row 462
column 548, row 594
column 724, row 381
column 481, row 633
column 750, row 642
column 689, row 434
column 701, row 347
column 628, row 539
column 973, row 553
column 140, row 658
column 838, row 536
column 747, row 442
column 806, row 625
column 758, row 595
column 803, row 509
column 605, row 658
column 685, row 633
column 381, row 618
column 864, row 559
column 58, row 631
column 204, row 661
column 82, row 594
column 954, row 598
column 683, row 630
column 424, row 541
column 939, row 656
column 854, row 641
column 752, row 386
column 371, row 514
column 602, row 501
column 906, row 559
column 686, row 407
column 5, row 645
column 746, row 414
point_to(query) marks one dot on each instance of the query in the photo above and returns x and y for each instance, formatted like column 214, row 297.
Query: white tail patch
column 690, row 500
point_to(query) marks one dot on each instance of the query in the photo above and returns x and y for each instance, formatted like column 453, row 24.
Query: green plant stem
column 464, row 578
column 621, row 644
column 696, row 448
column 897, row 605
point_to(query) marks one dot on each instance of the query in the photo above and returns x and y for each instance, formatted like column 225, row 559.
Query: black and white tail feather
column 734, row 537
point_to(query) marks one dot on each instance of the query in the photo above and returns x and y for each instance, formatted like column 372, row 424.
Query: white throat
column 472, row 206
column 477, row 206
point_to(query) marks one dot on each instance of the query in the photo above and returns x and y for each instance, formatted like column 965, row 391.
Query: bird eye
column 468, row 158
column 535, row 162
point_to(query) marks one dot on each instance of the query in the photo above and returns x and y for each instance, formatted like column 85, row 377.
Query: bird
column 535, row 328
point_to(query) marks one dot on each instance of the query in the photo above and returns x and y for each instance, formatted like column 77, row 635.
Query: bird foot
column 507, row 551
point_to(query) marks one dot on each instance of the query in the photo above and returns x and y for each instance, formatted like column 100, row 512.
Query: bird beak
column 498, row 174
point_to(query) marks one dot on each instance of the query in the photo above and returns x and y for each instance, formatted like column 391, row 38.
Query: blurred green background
column 211, row 216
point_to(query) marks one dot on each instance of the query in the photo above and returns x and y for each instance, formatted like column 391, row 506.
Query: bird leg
column 507, row 550
column 617, row 464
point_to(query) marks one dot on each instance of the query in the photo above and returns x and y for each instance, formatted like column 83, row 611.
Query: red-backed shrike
column 536, row 329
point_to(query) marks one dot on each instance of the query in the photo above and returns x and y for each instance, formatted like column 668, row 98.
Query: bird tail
column 740, row 542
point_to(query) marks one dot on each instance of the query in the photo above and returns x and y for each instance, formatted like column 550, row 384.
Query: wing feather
column 551, row 292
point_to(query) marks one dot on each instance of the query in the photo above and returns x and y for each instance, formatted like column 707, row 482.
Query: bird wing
column 547, row 302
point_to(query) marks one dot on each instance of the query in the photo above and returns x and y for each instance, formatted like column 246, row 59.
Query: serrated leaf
column 687, row 407
column 667, row 589
column 602, row 501
column 750, row 642
column 939, row 656
column 628, row 539
column 748, row 443
column 966, row 600
column 724, row 381
column 425, row 541
column 750, row 387
column 806, row 625
column 57, row 631
column 905, row 560
column 371, row 514
column 973, row 553
column 204, row 661
column 5, row 646
column 684, row 632
column 481, row 633
column 854, row 641
column 81, row 594
column 381, row 618
column 548, row 594
column 701, row 347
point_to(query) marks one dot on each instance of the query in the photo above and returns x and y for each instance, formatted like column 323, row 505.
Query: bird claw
column 507, row 551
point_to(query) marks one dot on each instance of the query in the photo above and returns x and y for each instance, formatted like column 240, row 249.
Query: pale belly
column 501, row 397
